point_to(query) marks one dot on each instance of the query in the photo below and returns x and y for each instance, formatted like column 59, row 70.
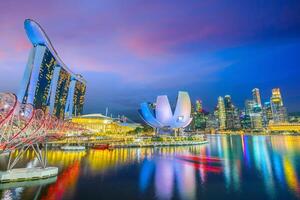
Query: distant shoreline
column 255, row 134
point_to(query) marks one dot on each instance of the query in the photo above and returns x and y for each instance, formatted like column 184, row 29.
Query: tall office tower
column 198, row 106
column 246, row 121
column 48, row 83
column 276, row 97
column 278, row 110
column 212, row 121
column 199, row 117
column 257, row 117
column 253, row 110
column 256, row 121
column 221, row 113
column 256, row 96
column 249, row 104
column 230, row 113
column 267, row 113
column 237, row 119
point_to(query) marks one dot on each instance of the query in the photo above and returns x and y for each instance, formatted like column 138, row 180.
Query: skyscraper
column 276, row 97
column 267, row 113
column 48, row 83
column 212, row 122
column 256, row 115
column 278, row 110
column 199, row 117
column 221, row 113
column 256, row 121
column 237, row 119
column 256, row 96
column 246, row 121
column 232, row 114
column 198, row 106
column 249, row 104
column 253, row 110
column 199, row 121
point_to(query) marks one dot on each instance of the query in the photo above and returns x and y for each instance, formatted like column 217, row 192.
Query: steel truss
column 22, row 127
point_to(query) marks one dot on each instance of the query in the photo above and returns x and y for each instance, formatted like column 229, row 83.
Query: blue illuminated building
column 48, row 83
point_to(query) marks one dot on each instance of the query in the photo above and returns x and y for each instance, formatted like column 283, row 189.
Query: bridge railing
column 22, row 125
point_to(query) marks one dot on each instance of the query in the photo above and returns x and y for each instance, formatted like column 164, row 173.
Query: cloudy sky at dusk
column 132, row 51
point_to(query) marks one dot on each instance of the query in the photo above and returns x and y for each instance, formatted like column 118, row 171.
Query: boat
column 72, row 148
column 102, row 147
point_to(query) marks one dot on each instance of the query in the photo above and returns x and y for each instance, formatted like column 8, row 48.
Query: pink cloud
column 166, row 40
column 22, row 45
column 2, row 54
column 124, row 71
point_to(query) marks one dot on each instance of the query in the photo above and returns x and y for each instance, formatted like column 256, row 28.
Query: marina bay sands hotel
column 48, row 83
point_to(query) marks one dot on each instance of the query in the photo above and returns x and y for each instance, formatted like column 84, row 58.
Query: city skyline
column 135, row 99
column 160, row 49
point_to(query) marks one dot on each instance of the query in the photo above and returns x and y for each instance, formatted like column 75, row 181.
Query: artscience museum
column 161, row 117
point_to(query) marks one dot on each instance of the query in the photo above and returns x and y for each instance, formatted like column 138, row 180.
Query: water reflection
column 273, row 160
column 65, row 183
column 167, row 173
column 236, row 167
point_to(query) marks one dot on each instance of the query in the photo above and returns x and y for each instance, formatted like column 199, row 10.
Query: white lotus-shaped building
column 162, row 116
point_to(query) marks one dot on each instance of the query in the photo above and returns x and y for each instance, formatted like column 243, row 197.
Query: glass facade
column 44, row 81
column 47, row 83
column 78, row 99
column 61, row 93
column 278, row 110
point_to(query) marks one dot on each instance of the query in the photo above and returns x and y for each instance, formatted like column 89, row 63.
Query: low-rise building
column 98, row 123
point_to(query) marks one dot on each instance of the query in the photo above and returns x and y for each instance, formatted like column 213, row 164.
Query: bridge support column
column 24, row 174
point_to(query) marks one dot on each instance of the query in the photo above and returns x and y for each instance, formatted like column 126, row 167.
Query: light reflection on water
column 235, row 167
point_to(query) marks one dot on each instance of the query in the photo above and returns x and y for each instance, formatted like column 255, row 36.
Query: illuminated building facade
column 256, row 117
column 232, row 114
column 199, row 121
column 48, row 83
column 221, row 113
column 254, row 111
column 267, row 113
column 163, row 119
column 284, row 127
column 199, row 117
column 212, row 122
column 256, row 121
column 278, row 110
column 198, row 106
column 256, row 96
column 229, row 110
column 276, row 97
column 237, row 120
column 98, row 123
column 246, row 121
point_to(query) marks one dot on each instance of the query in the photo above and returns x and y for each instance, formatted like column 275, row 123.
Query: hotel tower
column 48, row 83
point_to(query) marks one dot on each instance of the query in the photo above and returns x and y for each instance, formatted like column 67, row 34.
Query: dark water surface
column 228, row 167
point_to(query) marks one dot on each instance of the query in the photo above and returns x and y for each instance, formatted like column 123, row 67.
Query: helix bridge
column 23, row 127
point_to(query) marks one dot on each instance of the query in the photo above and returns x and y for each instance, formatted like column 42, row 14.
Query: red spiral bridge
column 22, row 127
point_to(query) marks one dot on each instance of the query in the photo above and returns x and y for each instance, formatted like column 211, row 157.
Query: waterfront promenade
column 131, row 141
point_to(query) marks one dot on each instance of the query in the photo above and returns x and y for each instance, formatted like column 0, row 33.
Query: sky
column 131, row 51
